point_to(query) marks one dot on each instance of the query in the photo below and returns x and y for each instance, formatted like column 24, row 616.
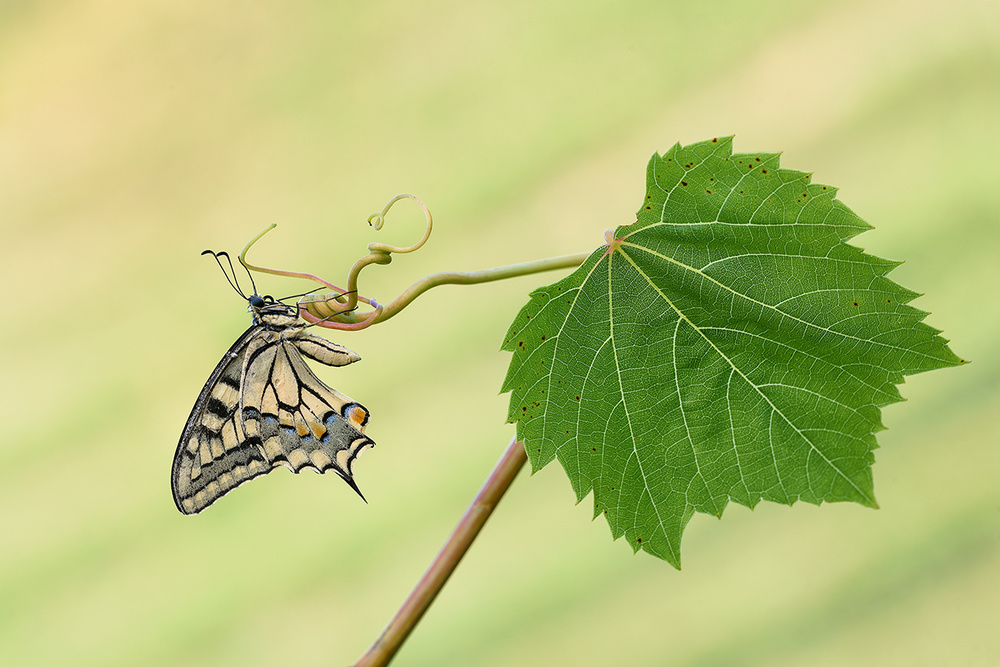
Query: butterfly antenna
column 249, row 275
column 233, row 282
column 233, row 270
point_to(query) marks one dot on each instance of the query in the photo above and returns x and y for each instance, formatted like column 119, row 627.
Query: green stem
column 316, row 311
column 399, row 628
column 338, row 309
column 474, row 277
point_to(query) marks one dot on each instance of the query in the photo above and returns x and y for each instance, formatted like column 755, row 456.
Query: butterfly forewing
column 213, row 455
column 263, row 407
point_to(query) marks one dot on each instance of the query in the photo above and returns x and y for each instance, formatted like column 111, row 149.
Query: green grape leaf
column 727, row 346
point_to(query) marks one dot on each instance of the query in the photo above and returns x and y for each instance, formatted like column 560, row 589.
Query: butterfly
column 263, row 407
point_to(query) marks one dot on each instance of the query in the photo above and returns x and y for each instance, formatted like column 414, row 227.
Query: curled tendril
column 320, row 311
column 379, row 220
column 346, row 302
column 338, row 309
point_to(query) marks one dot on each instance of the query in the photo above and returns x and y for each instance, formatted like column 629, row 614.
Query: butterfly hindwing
column 301, row 422
column 263, row 407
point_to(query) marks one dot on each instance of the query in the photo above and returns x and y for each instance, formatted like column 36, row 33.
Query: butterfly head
column 266, row 310
column 269, row 312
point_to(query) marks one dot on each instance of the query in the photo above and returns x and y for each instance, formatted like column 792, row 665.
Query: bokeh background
column 134, row 135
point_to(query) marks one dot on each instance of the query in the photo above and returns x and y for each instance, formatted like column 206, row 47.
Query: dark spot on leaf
column 684, row 183
column 708, row 191
column 578, row 398
column 757, row 159
column 649, row 208
column 593, row 449
column 763, row 171
column 715, row 140
column 855, row 303
column 639, row 540
column 543, row 337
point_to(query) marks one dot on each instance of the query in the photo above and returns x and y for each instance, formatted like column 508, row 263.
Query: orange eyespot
column 357, row 416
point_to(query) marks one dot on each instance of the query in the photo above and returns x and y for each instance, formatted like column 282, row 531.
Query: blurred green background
column 134, row 135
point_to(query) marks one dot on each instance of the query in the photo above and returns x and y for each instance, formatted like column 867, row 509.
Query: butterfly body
column 263, row 407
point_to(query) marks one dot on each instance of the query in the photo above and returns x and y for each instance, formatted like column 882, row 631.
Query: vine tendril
column 338, row 309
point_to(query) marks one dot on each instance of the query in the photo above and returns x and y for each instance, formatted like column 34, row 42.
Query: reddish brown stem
column 399, row 628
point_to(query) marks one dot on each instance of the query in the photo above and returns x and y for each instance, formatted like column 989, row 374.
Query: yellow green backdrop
column 135, row 135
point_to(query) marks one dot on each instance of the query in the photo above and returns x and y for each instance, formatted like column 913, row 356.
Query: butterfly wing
column 214, row 455
column 298, row 420
column 263, row 407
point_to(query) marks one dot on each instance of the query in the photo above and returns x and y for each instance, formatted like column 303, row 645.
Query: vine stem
column 399, row 628
column 342, row 316
column 324, row 311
